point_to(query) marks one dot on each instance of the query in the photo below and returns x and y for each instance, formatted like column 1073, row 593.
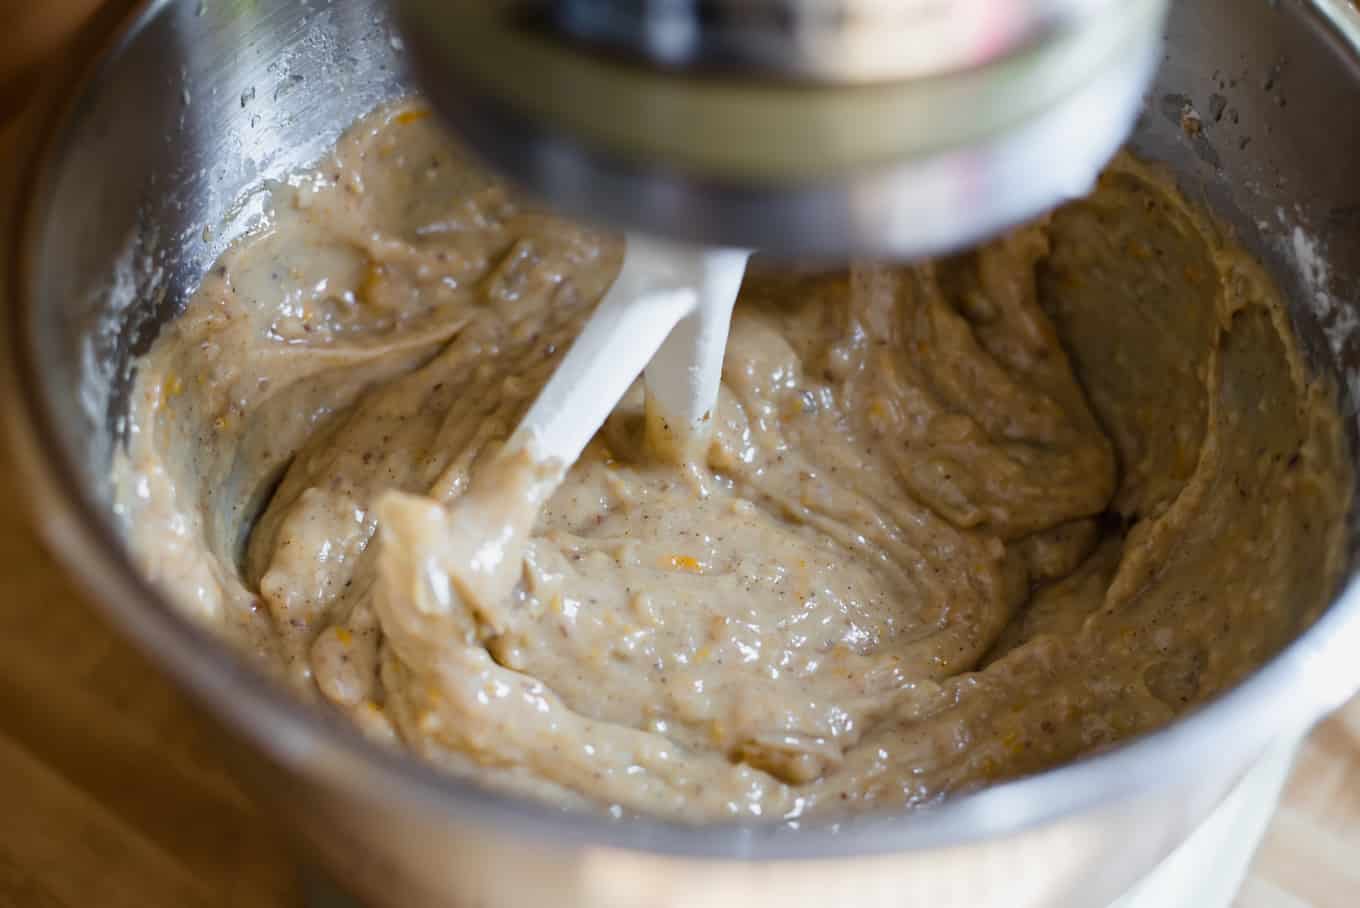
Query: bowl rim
column 1313, row 674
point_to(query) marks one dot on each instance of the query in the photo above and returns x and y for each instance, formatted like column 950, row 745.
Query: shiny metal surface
column 821, row 41
column 1252, row 109
column 793, row 126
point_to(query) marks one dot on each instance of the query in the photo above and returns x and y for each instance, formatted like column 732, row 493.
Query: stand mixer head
column 813, row 128
column 810, row 128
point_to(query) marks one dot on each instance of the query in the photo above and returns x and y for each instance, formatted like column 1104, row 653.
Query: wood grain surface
column 112, row 792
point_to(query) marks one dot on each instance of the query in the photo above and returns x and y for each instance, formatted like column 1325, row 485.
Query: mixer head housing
column 816, row 128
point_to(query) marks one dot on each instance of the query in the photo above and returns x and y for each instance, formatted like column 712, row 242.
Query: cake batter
column 956, row 522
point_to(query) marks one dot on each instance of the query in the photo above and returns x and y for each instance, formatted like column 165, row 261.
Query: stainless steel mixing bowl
column 1256, row 108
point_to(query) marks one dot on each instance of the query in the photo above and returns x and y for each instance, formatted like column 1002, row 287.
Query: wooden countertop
column 112, row 795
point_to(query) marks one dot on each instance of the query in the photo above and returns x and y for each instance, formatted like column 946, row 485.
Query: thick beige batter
column 957, row 522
